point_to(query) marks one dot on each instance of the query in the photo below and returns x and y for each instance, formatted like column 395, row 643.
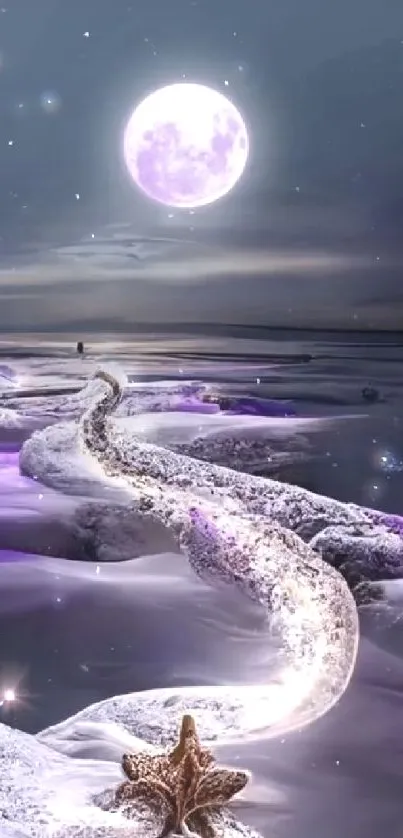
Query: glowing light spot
column 50, row 102
column 9, row 695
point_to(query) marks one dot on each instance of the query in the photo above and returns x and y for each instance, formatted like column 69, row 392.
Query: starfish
column 183, row 782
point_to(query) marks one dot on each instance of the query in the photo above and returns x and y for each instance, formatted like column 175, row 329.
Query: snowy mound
column 51, row 456
column 61, row 782
column 10, row 419
column 7, row 377
column 150, row 715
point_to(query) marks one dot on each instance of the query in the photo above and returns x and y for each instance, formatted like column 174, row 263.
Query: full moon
column 186, row 145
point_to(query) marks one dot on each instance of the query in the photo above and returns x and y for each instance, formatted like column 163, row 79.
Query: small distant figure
column 80, row 348
column 370, row 394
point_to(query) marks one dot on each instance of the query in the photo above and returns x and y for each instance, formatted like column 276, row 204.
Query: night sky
column 309, row 237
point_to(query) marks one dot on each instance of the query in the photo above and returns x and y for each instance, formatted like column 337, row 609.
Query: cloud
column 171, row 260
column 116, row 281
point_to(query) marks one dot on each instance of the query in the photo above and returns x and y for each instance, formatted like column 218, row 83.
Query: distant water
column 65, row 641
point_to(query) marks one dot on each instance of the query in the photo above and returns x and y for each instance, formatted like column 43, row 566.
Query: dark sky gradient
column 311, row 235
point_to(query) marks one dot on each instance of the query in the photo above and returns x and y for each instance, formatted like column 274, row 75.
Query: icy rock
column 370, row 555
column 106, row 533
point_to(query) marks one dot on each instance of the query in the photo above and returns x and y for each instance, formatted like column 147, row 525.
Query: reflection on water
column 73, row 631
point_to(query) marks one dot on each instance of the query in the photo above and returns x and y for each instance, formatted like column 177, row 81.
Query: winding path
column 211, row 511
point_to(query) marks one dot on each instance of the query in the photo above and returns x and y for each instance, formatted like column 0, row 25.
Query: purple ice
column 196, row 406
column 250, row 406
column 394, row 523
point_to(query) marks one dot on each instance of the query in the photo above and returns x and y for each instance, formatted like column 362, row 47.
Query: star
column 183, row 782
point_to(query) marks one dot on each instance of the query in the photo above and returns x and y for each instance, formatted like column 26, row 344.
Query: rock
column 105, row 533
column 361, row 556
column 370, row 394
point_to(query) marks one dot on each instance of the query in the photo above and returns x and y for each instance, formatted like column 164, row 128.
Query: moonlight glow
column 186, row 145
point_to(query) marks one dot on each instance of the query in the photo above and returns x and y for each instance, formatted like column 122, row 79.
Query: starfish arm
column 134, row 765
column 140, row 766
column 201, row 824
column 187, row 832
column 176, row 755
column 216, row 788
column 151, row 791
column 169, row 826
column 123, row 793
column 206, row 759
column 187, row 738
column 186, row 782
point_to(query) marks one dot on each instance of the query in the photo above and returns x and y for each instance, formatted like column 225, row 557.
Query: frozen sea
column 84, row 617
